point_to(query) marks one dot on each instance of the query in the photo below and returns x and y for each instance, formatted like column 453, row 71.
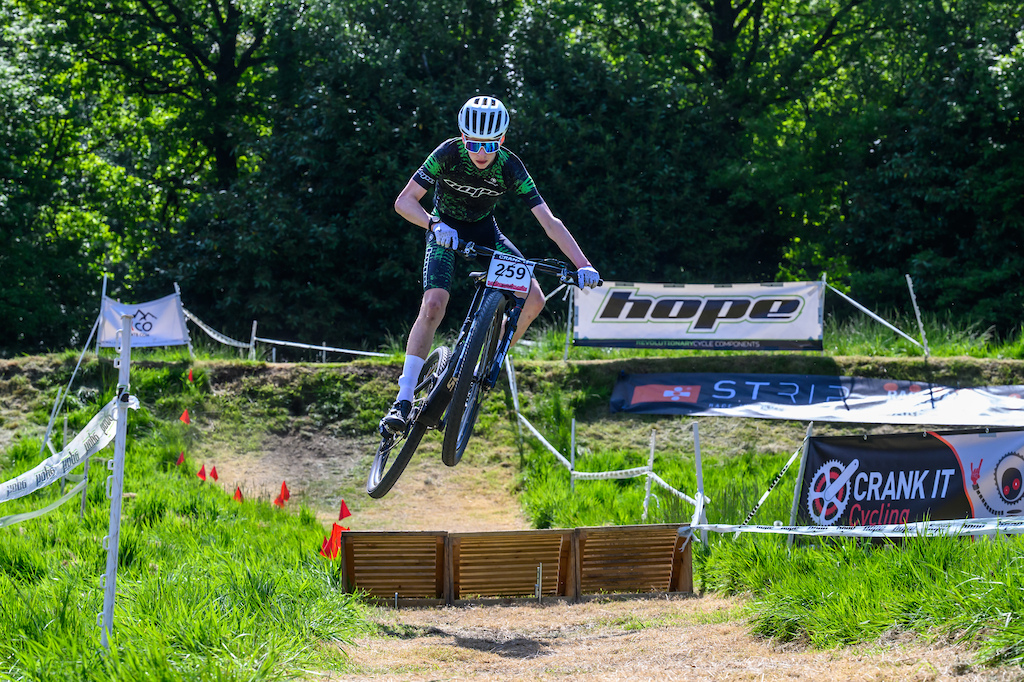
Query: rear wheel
column 481, row 342
column 395, row 451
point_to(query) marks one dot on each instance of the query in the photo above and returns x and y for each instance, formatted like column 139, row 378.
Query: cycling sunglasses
column 474, row 146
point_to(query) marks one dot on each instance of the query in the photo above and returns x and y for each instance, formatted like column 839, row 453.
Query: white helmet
column 483, row 118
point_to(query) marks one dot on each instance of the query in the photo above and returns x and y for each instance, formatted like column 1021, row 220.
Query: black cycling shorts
column 439, row 262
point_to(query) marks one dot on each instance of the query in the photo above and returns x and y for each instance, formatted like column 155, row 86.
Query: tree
column 200, row 65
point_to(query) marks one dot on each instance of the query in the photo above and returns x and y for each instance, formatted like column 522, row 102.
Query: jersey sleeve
column 521, row 183
column 426, row 175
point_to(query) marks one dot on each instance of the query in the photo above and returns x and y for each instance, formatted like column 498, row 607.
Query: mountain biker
column 468, row 175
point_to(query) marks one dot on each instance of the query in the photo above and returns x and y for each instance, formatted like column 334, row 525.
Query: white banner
column 774, row 316
column 804, row 397
column 154, row 323
column 94, row 437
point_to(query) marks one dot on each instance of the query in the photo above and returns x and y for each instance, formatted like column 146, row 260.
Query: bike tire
column 383, row 475
column 465, row 402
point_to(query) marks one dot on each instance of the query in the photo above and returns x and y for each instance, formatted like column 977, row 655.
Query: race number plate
column 510, row 273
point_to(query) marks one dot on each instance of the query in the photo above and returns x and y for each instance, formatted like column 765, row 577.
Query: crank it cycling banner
column 906, row 478
column 154, row 323
column 775, row 316
column 804, row 397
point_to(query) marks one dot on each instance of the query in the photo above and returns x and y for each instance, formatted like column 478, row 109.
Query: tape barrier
column 681, row 495
column 94, row 437
column 80, row 482
column 990, row 526
column 215, row 335
column 544, row 441
column 598, row 475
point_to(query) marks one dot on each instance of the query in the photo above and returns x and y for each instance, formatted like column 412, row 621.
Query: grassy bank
column 210, row 588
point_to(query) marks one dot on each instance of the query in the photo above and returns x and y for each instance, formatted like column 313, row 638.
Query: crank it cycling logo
column 1009, row 480
column 830, row 491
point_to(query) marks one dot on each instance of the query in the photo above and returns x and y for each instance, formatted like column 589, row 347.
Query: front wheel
column 475, row 365
column 395, row 451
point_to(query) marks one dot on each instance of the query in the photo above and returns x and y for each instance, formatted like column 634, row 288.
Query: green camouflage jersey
column 464, row 192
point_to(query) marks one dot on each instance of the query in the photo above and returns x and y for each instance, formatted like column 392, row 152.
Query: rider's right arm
column 408, row 205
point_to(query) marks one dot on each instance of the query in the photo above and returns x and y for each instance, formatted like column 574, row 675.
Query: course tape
column 80, row 482
column 681, row 495
column 214, row 334
column 990, row 526
column 598, row 475
column 94, row 437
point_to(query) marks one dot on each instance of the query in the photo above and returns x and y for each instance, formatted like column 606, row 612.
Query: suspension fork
column 459, row 357
column 511, row 323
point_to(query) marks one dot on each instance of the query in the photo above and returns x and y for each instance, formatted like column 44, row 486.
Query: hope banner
column 774, row 316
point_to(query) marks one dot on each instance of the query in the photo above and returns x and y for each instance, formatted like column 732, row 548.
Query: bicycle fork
column 511, row 323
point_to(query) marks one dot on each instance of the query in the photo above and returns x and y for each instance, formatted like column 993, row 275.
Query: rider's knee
column 433, row 307
column 533, row 306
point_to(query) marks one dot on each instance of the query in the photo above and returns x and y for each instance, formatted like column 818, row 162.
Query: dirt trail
column 657, row 638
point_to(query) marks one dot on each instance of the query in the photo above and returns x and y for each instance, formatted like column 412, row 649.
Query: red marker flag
column 285, row 494
column 278, row 501
column 213, row 473
column 181, row 458
column 332, row 544
column 202, row 472
column 190, row 375
column 238, row 494
column 344, row 511
column 185, row 418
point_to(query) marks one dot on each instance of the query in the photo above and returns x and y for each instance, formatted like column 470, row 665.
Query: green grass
column 207, row 588
column 212, row 589
column 854, row 335
column 848, row 592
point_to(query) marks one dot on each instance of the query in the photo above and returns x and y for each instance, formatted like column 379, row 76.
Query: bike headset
column 484, row 118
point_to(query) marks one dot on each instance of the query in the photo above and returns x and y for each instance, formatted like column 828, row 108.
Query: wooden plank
column 562, row 576
column 347, row 565
column 448, row 593
column 682, row 566
column 456, row 565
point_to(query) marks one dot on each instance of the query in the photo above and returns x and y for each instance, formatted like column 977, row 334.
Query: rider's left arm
column 560, row 235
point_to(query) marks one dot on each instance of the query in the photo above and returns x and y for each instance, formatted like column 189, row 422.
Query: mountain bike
column 452, row 383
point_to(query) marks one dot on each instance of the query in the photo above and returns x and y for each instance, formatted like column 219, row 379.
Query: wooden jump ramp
column 438, row 567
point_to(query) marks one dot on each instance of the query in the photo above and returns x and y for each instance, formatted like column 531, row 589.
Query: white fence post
column 572, row 458
column 650, row 466
column 115, row 482
column 799, row 481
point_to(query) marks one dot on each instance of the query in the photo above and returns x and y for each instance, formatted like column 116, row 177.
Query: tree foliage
column 251, row 151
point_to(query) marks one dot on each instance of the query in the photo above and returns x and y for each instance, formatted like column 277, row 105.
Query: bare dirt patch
column 677, row 638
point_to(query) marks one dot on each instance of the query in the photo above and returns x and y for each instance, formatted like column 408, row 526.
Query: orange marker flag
column 344, row 511
column 238, row 494
column 213, row 472
column 181, row 458
column 285, row 494
column 278, row 501
column 185, row 418
column 202, row 472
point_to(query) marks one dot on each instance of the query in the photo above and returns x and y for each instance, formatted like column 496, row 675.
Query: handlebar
column 550, row 266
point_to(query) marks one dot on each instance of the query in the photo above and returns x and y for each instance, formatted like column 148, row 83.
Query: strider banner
column 774, row 316
column 908, row 478
column 802, row 397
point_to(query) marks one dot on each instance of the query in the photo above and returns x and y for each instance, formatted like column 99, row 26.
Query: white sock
column 410, row 374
